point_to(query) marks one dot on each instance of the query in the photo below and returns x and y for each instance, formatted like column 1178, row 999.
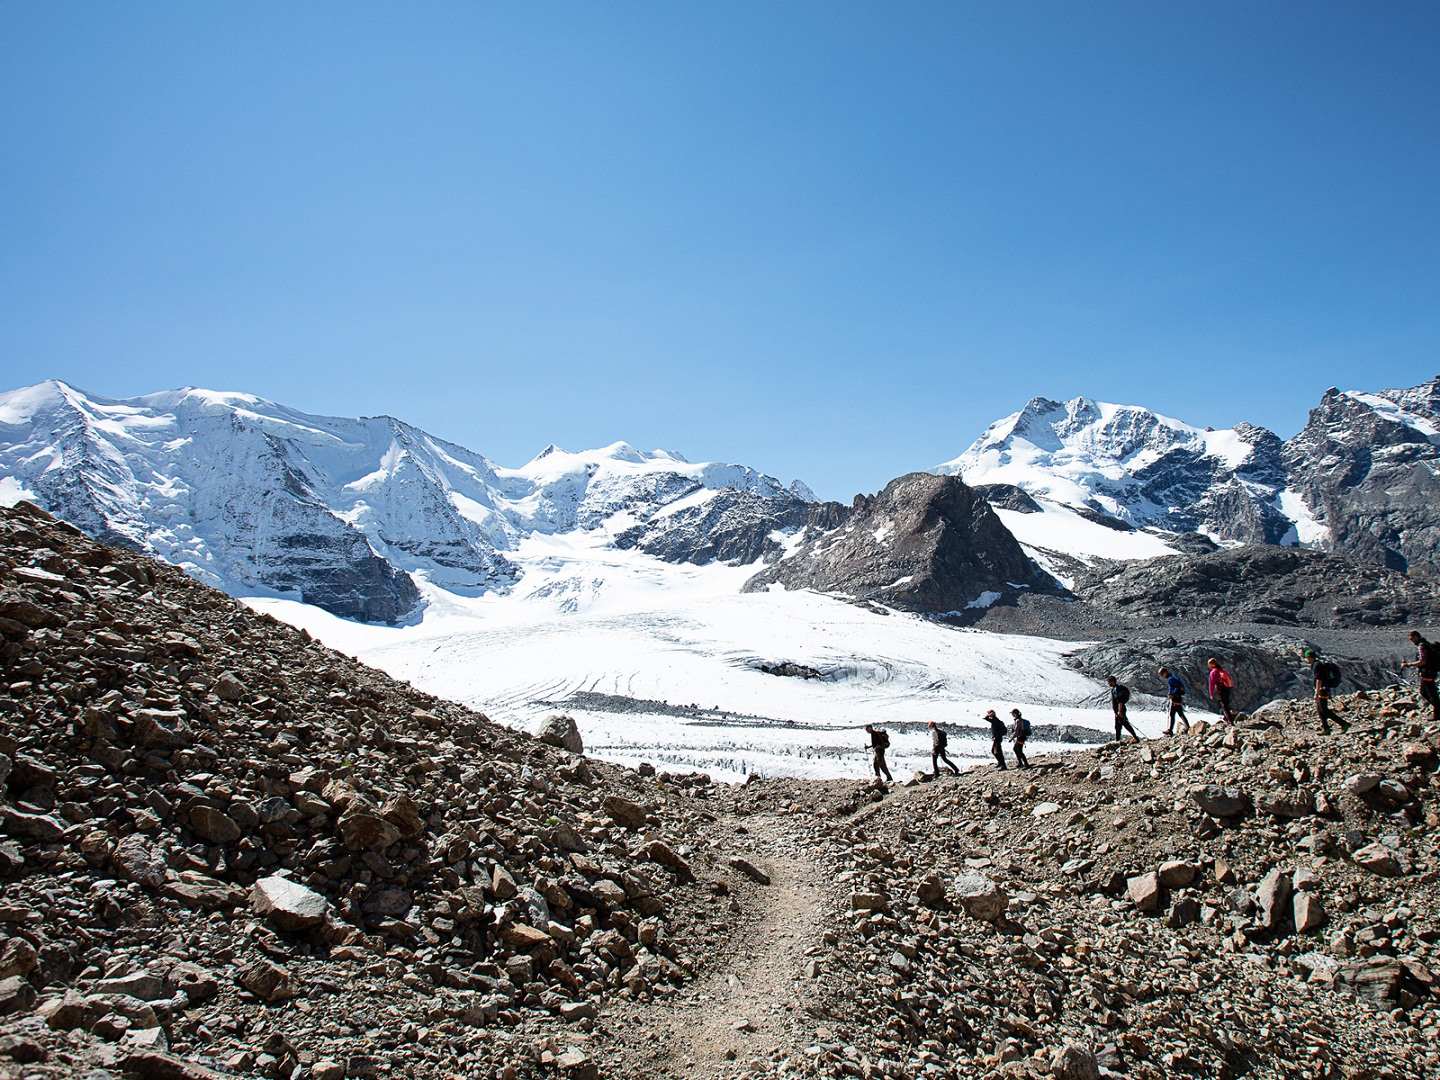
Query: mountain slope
column 1136, row 466
column 260, row 499
column 925, row 543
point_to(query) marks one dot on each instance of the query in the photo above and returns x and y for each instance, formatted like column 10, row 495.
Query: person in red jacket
column 1221, row 685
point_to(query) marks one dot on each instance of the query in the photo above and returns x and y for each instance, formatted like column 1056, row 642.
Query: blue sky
column 829, row 240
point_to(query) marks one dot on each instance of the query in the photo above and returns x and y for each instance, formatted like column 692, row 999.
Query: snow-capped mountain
column 1363, row 477
column 260, row 499
column 1077, row 479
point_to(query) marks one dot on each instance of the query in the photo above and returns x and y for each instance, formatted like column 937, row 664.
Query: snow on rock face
column 1363, row 477
column 260, row 499
column 1132, row 464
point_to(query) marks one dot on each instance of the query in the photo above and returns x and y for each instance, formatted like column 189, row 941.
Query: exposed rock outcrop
column 925, row 543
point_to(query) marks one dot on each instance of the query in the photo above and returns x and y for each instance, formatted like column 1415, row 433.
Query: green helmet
column 1311, row 654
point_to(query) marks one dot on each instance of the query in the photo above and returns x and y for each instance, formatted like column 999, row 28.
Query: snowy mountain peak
column 1105, row 468
column 262, row 499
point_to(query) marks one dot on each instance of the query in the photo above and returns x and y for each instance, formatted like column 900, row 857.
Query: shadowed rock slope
column 925, row 543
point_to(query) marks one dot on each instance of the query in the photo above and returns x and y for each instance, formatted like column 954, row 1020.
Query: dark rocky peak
column 925, row 543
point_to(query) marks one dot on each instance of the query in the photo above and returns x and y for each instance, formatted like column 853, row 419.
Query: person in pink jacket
column 1221, row 684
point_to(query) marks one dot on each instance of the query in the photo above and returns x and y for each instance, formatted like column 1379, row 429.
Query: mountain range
column 362, row 516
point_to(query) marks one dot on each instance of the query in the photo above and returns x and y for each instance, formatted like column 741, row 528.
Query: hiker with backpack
column 1175, row 691
column 997, row 738
column 1426, row 663
column 1221, row 685
column 879, row 743
column 1020, row 734
column 939, row 739
column 1119, row 696
column 1327, row 677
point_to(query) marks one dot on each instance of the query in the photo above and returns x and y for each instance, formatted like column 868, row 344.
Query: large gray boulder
column 560, row 732
column 287, row 904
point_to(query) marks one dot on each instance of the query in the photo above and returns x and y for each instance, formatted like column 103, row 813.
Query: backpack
column 944, row 739
column 882, row 739
column 1327, row 674
column 1121, row 693
column 1179, row 690
column 1024, row 728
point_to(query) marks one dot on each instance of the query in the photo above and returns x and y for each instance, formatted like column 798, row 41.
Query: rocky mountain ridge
column 227, row 851
column 1359, row 480
column 260, row 499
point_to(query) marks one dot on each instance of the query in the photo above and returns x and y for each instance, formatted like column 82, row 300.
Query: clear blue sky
column 829, row 240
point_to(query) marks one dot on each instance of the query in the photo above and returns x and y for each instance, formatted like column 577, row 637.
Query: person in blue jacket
column 1175, row 691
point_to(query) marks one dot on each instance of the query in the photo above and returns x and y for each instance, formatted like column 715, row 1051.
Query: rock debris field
column 229, row 851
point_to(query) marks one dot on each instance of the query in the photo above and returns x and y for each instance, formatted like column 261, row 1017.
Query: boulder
column 626, row 814
column 404, row 813
column 1284, row 803
column 363, row 830
column 269, row 982
column 1360, row 783
column 1144, row 891
column 16, row 996
column 210, row 824
column 1074, row 1062
column 1309, row 913
column 1272, row 897
column 1220, row 802
column 560, row 732
column 287, row 904
column 1176, row 874
column 162, row 729
column 17, row 957
column 1378, row 859
column 980, row 897
column 137, row 859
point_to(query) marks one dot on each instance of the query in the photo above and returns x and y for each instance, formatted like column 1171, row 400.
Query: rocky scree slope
column 1255, row 902
column 925, row 543
column 260, row 499
column 1265, row 585
column 226, row 849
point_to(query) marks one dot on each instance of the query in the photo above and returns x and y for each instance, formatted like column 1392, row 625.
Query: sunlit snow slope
column 668, row 671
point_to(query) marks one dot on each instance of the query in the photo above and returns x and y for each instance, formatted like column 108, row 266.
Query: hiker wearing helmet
column 1175, row 691
column 997, row 738
column 1327, row 677
column 1221, row 684
column 1426, row 663
column 939, row 739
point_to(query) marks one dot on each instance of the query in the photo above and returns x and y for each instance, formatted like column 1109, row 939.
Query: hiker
column 1020, row 734
column 1221, row 684
column 997, row 738
column 879, row 743
column 939, row 739
column 1119, row 696
column 1427, row 662
column 1175, row 691
column 1327, row 678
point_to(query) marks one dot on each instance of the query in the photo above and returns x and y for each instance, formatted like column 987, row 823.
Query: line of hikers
column 1220, row 684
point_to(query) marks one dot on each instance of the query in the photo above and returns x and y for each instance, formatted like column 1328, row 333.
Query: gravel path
column 752, row 1006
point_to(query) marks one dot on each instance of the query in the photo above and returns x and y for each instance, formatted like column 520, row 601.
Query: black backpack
column 1428, row 657
column 1327, row 674
column 944, row 739
column 1121, row 693
column 882, row 739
